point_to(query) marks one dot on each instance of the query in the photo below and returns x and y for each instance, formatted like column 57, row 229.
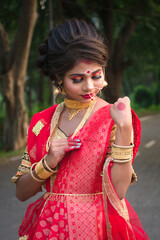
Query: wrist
column 47, row 163
column 123, row 135
column 124, row 126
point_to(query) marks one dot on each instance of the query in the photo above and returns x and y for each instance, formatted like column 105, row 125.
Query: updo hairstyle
column 68, row 43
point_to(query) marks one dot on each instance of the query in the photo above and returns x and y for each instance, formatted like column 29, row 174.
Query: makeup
column 87, row 96
column 121, row 106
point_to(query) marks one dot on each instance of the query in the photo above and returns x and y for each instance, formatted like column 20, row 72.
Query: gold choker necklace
column 74, row 107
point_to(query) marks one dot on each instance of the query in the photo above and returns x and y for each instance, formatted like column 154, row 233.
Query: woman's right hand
column 58, row 148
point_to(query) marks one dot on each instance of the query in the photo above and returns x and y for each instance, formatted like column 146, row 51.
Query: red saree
column 74, row 207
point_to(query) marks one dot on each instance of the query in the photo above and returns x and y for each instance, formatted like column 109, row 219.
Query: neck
column 75, row 104
column 74, row 107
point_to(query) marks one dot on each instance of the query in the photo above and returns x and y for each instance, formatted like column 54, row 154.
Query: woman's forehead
column 84, row 66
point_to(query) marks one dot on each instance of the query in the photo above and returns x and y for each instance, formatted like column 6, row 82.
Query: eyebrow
column 81, row 74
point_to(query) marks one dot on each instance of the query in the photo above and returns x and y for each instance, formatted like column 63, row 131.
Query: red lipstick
column 87, row 96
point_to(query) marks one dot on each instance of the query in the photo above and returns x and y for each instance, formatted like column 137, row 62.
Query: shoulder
column 101, row 104
column 46, row 112
column 40, row 119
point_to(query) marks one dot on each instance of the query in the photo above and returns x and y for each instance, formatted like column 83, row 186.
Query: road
column 144, row 195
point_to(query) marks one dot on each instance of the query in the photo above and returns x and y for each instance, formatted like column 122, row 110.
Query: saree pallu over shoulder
column 74, row 207
column 38, row 133
column 121, row 219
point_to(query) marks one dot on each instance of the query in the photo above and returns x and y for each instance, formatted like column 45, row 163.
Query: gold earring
column 63, row 91
column 105, row 84
column 61, row 87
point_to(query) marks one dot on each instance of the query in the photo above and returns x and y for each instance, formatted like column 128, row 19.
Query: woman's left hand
column 121, row 112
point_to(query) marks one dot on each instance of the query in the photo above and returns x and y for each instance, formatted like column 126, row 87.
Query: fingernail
column 77, row 146
column 79, row 143
column 72, row 147
column 78, row 140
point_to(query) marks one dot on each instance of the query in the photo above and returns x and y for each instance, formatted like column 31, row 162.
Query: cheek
column 70, row 88
column 100, row 83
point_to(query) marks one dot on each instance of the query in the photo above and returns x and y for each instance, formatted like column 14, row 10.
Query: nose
column 88, row 84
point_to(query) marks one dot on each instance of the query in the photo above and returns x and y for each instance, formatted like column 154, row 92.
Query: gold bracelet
column 32, row 175
column 41, row 171
column 48, row 168
column 121, row 161
column 126, row 147
column 122, row 153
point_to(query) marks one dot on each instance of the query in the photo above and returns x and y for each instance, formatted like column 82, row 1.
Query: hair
column 68, row 43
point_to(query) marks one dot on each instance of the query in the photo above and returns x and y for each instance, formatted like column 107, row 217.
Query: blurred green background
column 132, row 32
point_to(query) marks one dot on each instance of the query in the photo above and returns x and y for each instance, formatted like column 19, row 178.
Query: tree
column 118, row 21
column 14, row 75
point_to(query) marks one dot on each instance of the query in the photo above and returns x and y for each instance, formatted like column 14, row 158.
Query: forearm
column 27, row 187
column 121, row 173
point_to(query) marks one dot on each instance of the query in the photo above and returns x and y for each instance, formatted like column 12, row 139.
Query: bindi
column 121, row 106
column 87, row 72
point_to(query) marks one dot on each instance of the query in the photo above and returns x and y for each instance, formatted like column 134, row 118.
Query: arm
column 30, row 184
column 121, row 173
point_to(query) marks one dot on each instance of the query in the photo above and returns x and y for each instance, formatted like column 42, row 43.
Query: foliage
column 143, row 96
column 143, row 48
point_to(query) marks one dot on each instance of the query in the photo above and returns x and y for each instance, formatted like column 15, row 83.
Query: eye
column 77, row 79
column 96, row 77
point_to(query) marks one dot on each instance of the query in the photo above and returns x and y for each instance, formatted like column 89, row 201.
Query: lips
column 87, row 96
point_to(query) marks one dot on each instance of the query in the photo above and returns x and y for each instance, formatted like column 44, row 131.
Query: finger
column 119, row 99
column 73, row 140
column 74, row 144
column 71, row 148
column 59, row 142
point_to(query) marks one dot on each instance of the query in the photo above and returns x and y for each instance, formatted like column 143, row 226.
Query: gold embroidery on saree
column 119, row 205
column 25, row 237
column 37, row 128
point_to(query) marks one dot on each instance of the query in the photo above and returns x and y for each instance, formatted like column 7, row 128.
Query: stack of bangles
column 122, row 154
column 42, row 170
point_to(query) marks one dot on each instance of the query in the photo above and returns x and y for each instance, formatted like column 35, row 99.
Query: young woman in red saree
column 81, row 150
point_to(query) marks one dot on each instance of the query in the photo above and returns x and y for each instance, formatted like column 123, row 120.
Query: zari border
column 25, row 237
column 119, row 205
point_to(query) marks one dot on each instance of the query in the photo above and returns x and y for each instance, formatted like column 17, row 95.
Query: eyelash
column 93, row 77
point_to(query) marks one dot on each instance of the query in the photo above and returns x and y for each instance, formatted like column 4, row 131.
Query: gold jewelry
column 74, row 107
column 130, row 146
column 61, row 87
column 122, row 160
column 32, row 175
column 41, row 171
column 86, row 116
column 47, row 167
column 134, row 177
column 63, row 91
column 105, row 84
column 122, row 152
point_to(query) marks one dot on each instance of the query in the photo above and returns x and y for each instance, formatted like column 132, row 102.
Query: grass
column 141, row 112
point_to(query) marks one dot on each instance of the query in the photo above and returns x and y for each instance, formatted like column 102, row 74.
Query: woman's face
column 83, row 81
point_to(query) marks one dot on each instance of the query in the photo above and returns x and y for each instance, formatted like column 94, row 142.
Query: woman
column 82, row 150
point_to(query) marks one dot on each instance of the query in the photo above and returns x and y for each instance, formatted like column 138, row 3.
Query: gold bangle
column 32, row 175
column 41, row 171
column 126, row 147
column 122, row 153
column 47, row 167
column 121, row 161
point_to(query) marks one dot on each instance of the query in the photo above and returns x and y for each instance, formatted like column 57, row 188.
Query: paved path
column 144, row 196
